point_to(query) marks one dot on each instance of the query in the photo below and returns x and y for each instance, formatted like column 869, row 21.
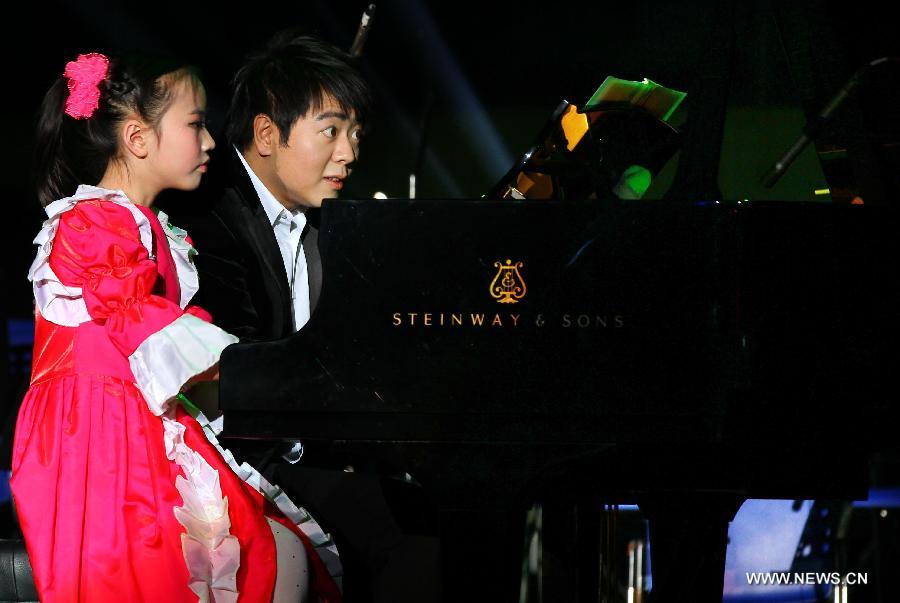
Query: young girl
column 121, row 494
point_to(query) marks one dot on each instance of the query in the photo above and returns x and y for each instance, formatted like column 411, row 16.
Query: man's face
column 320, row 150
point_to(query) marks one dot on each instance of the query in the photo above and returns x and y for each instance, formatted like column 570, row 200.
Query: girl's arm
column 97, row 247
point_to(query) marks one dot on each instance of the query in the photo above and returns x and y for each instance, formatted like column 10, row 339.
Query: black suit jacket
column 244, row 285
column 242, row 278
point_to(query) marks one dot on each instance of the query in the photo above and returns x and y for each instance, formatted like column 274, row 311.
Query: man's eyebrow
column 330, row 114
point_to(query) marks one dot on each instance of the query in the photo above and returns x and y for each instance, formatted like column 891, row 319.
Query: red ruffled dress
column 122, row 495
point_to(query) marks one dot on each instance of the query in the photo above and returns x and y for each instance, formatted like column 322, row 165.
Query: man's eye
column 330, row 131
column 356, row 135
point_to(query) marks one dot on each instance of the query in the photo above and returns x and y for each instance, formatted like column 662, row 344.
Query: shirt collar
column 274, row 210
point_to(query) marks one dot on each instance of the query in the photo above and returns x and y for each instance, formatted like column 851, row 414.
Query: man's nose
column 345, row 151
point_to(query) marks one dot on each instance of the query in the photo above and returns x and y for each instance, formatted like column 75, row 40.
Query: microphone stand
column 814, row 128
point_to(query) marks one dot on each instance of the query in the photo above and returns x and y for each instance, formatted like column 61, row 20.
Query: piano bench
column 16, row 580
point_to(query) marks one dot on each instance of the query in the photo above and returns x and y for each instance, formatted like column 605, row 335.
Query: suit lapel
column 262, row 237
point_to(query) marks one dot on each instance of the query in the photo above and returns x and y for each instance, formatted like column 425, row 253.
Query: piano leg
column 688, row 539
column 481, row 554
column 571, row 541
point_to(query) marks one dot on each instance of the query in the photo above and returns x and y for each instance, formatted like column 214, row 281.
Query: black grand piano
column 681, row 355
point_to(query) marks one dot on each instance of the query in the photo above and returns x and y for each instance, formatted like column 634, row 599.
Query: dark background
column 476, row 80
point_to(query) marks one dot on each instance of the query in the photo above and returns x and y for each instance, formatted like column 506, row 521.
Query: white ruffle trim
column 166, row 360
column 322, row 542
column 58, row 303
column 182, row 253
column 64, row 305
column 211, row 553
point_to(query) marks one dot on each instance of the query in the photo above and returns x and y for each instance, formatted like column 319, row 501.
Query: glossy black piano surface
column 684, row 356
column 640, row 322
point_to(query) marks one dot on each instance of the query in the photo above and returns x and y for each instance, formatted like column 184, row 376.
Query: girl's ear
column 265, row 134
column 136, row 138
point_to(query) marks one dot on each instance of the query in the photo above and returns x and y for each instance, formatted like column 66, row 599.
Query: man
column 294, row 123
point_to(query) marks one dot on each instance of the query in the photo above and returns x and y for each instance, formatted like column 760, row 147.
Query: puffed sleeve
column 97, row 247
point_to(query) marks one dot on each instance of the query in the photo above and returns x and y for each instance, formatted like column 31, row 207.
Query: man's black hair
column 293, row 75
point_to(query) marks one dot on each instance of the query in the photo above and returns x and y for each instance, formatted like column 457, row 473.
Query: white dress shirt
column 288, row 226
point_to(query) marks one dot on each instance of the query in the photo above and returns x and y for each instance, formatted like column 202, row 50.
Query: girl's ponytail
column 53, row 174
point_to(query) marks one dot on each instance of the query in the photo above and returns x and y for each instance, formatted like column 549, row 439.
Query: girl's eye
column 330, row 131
column 356, row 135
column 200, row 125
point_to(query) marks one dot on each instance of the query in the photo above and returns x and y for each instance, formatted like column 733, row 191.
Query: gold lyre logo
column 508, row 286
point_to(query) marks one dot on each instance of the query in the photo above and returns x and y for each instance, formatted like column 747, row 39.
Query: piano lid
column 610, row 148
column 615, row 153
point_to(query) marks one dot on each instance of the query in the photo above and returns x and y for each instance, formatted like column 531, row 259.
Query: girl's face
column 180, row 151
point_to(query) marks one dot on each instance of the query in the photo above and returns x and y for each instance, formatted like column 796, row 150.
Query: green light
column 633, row 183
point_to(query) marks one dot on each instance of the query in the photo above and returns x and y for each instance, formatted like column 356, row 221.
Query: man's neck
column 263, row 170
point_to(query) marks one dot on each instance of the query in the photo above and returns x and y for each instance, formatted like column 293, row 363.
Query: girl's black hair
column 70, row 151
column 293, row 75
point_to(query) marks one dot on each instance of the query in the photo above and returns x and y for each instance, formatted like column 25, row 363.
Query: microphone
column 363, row 31
column 813, row 128
column 810, row 131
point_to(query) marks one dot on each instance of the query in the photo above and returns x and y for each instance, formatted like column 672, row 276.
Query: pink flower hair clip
column 84, row 75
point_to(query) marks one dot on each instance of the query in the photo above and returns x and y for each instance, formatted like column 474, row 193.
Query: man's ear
column 136, row 137
column 265, row 135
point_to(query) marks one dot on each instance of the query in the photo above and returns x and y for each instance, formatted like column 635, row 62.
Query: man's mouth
column 336, row 182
